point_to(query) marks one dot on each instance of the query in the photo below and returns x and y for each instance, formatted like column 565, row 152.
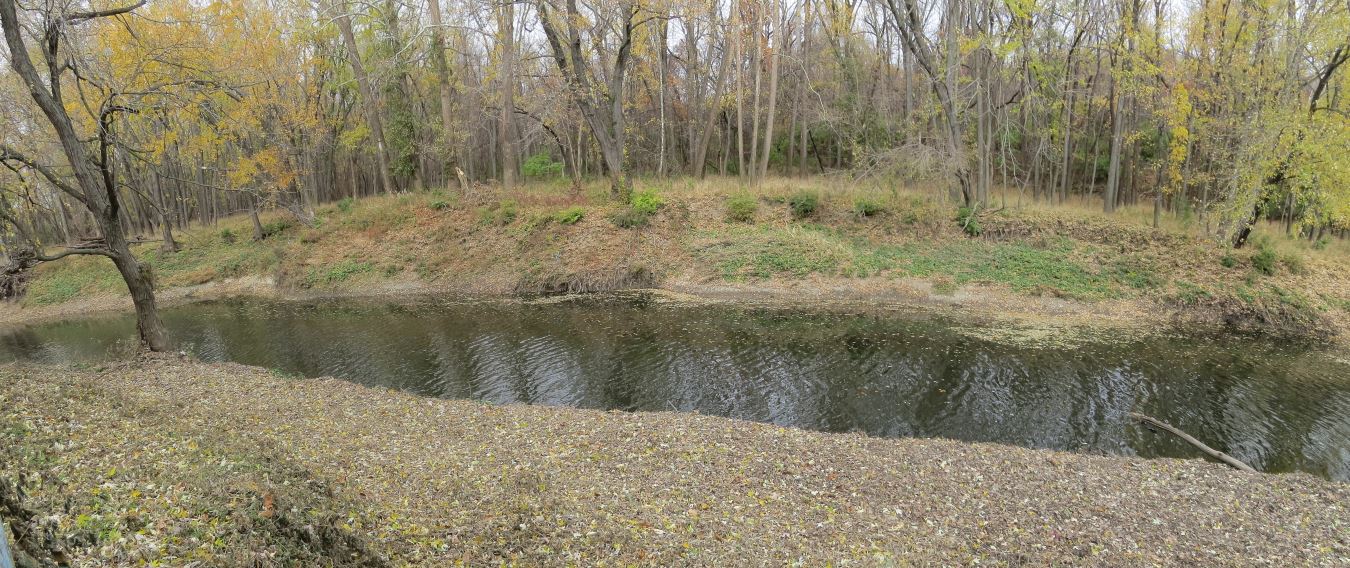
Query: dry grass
column 496, row 242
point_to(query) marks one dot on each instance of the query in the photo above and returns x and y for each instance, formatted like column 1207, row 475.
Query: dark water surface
column 1278, row 406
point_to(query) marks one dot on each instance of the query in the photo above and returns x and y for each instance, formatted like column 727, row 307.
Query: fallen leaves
column 173, row 463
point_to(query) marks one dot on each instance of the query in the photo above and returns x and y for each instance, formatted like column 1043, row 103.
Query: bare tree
column 372, row 112
column 92, row 179
column 562, row 28
column 943, row 81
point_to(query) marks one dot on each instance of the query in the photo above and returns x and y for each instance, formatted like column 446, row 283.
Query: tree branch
column 8, row 154
column 82, row 16
column 95, row 251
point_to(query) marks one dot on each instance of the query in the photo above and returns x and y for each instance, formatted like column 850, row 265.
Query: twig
column 1216, row 454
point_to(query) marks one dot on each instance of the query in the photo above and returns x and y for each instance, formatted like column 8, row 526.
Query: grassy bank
column 168, row 462
column 815, row 235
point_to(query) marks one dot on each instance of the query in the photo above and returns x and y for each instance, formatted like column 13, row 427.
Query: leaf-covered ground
column 175, row 463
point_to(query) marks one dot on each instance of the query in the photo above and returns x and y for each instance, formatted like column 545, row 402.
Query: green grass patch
column 337, row 273
column 647, row 202
column 864, row 207
column 742, row 209
column 501, row 213
column 740, row 253
column 1265, row 259
column 68, row 278
column 570, row 216
column 803, row 204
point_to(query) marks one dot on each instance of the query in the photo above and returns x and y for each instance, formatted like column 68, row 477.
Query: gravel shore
column 178, row 462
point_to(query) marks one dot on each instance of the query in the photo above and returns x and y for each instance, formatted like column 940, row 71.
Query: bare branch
column 82, row 16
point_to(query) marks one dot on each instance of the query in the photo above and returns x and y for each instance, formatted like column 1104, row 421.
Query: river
column 1279, row 406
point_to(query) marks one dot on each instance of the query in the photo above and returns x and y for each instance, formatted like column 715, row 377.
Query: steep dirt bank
column 174, row 462
column 906, row 250
column 866, row 295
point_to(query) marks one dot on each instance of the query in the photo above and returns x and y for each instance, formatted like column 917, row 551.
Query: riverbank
column 710, row 241
column 174, row 461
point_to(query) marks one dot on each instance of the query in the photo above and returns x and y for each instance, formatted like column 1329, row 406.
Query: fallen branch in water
column 1216, row 454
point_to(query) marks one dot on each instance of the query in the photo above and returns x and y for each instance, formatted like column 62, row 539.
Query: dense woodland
column 125, row 118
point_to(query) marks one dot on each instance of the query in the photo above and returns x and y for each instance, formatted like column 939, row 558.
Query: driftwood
column 1216, row 454
column 98, row 242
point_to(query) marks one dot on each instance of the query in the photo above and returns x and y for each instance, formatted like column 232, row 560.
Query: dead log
column 14, row 274
column 1216, row 454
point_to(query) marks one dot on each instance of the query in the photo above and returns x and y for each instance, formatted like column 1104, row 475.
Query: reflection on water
column 1279, row 407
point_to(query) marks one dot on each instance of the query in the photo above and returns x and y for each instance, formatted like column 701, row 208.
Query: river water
column 1278, row 406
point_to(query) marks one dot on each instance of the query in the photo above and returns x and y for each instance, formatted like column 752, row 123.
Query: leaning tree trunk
column 363, row 83
column 505, row 133
column 94, row 181
column 140, row 282
column 442, row 78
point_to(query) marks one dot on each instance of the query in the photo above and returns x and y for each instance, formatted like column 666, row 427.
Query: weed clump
column 803, row 204
column 642, row 205
column 969, row 221
column 228, row 237
column 345, row 205
column 629, row 218
column 647, row 202
column 276, row 227
column 864, row 207
column 502, row 213
column 570, row 216
column 1265, row 259
column 1294, row 263
column 741, row 209
column 337, row 273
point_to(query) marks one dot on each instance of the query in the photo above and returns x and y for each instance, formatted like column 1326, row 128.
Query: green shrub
column 1321, row 244
column 345, row 205
column 863, row 207
column 1294, row 263
column 502, row 213
column 276, row 227
column 340, row 272
column 439, row 204
column 629, row 218
column 541, row 165
column 647, row 202
column 1228, row 260
column 803, row 204
column 969, row 221
column 741, row 209
column 570, row 216
column 228, row 237
column 506, row 212
column 1265, row 259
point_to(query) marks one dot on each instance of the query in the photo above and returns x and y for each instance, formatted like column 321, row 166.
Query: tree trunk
column 699, row 166
column 442, row 74
column 506, row 20
column 740, row 93
column 166, row 220
column 95, row 186
column 565, row 43
column 773, row 101
column 372, row 110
